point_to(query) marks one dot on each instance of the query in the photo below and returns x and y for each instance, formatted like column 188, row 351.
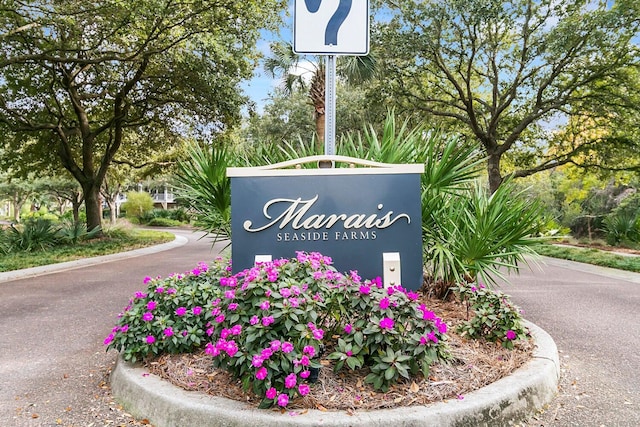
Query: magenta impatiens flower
column 271, row 393
column 268, row 320
column 348, row 328
column 511, row 335
column 310, row 350
column 283, row 400
column 290, row 380
column 287, row 347
column 262, row 373
column 386, row 323
column 150, row 339
column 151, row 305
column 303, row 389
column 365, row 290
column 384, row 303
column 168, row 331
column 109, row 339
column 181, row 311
column 147, row 317
column 196, row 310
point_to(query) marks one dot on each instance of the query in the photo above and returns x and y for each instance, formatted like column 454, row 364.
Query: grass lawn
column 113, row 242
column 592, row 256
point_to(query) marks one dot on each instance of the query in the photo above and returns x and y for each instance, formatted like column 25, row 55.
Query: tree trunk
column 493, row 171
column 320, row 130
column 92, row 206
column 113, row 210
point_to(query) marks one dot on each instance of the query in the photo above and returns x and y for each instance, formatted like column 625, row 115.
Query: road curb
column 511, row 399
column 71, row 265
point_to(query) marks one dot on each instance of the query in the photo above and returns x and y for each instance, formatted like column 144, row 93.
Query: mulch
column 474, row 364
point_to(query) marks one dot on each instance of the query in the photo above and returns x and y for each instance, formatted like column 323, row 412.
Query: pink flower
column 304, row 360
column 196, row 310
column 303, row 389
column 268, row 320
column 511, row 335
column 168, row 331
column 305, row 374
column 349, row 353
column 254, row 320
column 224, row 333
column 181, row 311
column 264, row 305
column 287, row 347
column 124, row 329
column 318, row 334
column 384, row 303
column 219, row 319
column 230, row 294
column 150, row 339
column 386, row 323
column 236, row 329
column 274, row 345
column 310, row 350
column 432, row 336
column 285, row 292
column 412, row 296
column 211, row 350
column 147, row 279
column 151, row 305
column 262, row 373
column 365, row 289
column 348, row 328
column 147, row 317
column 290, row 380
column 272, row 393
column 257, row 360
column 423, row 341
column 160, row 290
column 140, row 295
column 233, row 306
column 283, row 400
column 109, row 339
column 442, row 327
column 266, row 353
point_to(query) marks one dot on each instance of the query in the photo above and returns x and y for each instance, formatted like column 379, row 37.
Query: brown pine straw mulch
column 474, row 364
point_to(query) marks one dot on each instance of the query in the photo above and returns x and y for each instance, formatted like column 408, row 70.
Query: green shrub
column 32, row 235
column 494, row 319
column 621, row 227
column 73, row 232
column 267, row 325
column 138, row 204
column 163, row 222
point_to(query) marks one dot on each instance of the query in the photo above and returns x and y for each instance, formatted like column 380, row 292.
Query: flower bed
column 267, row 327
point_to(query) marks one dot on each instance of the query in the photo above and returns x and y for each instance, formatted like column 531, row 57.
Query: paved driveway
column 53, row 365
column 593, row 314
column 52, row 360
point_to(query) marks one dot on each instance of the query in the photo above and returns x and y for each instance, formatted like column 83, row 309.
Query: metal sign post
column 331, row 27
column 330, row 107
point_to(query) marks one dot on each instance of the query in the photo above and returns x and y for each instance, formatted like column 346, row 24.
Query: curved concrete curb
column 508, row 400
column 70, row 265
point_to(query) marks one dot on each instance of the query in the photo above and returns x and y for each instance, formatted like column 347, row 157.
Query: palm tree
column 299, row 73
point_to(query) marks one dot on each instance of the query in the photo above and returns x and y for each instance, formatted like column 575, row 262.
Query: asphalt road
column 53, row 364
column 593, row 315
column 53, row 367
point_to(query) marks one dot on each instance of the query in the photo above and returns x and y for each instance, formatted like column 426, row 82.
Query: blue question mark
column 338, row 17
